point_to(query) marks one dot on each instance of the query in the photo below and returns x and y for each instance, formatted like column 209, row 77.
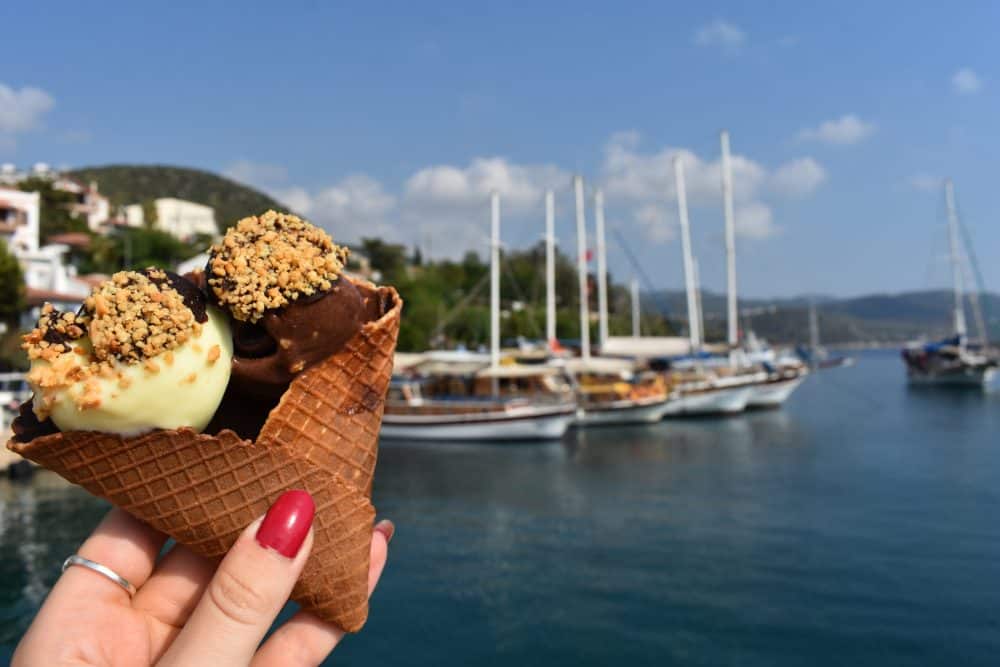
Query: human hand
column 185, row 610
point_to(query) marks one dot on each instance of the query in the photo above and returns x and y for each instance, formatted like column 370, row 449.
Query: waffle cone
column 203, row 490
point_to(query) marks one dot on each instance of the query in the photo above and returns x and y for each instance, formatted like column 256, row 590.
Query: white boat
column 773, row 392
column 709, row 399
column 14, row 390
column 470, row 397
column 953, row 362
column 468, row 401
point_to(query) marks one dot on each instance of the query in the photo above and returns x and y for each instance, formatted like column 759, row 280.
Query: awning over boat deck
column 599, row 365
column 517, row 371
column 647, row 347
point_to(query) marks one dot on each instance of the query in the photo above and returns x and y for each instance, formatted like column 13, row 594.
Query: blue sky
column 399, row 119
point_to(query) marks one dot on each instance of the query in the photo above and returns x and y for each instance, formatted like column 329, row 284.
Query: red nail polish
column 287, row 523
column 387, row 528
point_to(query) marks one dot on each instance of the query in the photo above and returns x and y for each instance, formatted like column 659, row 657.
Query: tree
column 387, row 258
column 12, row 290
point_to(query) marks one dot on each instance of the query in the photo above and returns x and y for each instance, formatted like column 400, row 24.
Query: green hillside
column 132, row 184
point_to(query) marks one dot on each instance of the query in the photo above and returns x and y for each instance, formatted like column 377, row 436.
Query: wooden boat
column 473, row 401
column 613, row 391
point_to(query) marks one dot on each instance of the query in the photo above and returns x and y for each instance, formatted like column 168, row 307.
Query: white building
column 183, row 219
column 47, row 276
column 19, row 213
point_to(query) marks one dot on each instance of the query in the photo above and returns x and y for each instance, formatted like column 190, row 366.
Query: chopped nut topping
column 131, row 318
column 136, row 316
column 213, row 354
column 54, row 334
column 269, row 261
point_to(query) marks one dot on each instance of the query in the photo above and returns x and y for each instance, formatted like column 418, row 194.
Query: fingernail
column 387, row 528
column 287, row 523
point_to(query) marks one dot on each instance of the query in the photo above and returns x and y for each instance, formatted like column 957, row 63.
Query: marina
column 855, row 525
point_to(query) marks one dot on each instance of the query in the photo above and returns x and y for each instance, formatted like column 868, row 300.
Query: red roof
column 74, row 239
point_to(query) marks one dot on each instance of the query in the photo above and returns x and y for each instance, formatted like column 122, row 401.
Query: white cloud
column 658, row 223
column 755, row 220
column 966, row 82
column 848, row 129
column 644, row 182
column 926, row 182
column 798, row 177
column 448, row 204
column 450, row 187
column 22, row 110
column 356, row 206
column 259, row 174
column 722, row 34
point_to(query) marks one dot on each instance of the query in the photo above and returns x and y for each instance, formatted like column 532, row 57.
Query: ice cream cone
column 202, row 490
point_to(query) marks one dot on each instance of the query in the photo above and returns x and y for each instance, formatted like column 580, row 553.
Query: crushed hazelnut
column 269, row 261
column 214, row 353
column 136, row 316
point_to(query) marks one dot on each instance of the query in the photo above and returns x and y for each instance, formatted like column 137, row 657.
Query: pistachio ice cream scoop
column 145, row 352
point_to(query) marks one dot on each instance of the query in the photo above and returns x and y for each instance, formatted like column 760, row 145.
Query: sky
column 398, row 119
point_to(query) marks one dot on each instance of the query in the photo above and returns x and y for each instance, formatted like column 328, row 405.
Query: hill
column 875, row 318
column 131, row 184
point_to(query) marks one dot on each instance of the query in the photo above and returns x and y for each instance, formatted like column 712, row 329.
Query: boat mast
column 550, row 268
column 697, row 292
column 602, row 271
column 635, row 309
column 956, row 262
column 727, row 202
column 813, row 326
column 581, row 265
column 692, row 305
column 495, row 279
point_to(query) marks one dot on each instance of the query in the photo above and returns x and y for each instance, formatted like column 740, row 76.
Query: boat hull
column 487, row 426
column 716, row 401
column 773, row 393
column 623, row 413
column 967, row 377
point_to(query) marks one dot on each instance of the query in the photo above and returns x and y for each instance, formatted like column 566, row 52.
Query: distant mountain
column 132, row 184
column 876, row 318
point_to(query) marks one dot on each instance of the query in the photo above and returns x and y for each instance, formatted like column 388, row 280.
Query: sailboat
column 609, row 390
column 471, row 397
column 698, row 389
column 815, row 355
column 773, row 378
column 952, row 361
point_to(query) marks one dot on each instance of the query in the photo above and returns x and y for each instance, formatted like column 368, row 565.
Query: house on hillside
column 19, row 219
column 183, row 219
column 48, row 277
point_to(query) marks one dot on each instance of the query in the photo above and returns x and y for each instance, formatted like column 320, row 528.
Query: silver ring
column 101, row 570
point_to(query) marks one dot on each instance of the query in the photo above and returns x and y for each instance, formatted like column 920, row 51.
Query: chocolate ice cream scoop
column 280, row 279
column 269, row 353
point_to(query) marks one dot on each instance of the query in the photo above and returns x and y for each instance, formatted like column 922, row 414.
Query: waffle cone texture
column 203, row 490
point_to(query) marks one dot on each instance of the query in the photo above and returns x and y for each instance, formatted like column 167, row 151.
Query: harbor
column 453, row 334
column 849, row 526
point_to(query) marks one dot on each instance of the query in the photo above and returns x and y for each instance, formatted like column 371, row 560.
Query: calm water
column 859, row 525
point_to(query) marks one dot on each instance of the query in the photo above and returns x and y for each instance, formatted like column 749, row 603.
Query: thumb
column 250, row 587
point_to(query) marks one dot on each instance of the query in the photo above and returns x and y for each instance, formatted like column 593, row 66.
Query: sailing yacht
column 461, row 396
column 772, row 380
column 952, row 361
column 468, row 397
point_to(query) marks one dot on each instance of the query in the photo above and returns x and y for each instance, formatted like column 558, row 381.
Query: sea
column 858, row 525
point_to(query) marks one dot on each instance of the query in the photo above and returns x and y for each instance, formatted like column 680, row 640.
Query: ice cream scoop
column 145, row 352
column 281, row 280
